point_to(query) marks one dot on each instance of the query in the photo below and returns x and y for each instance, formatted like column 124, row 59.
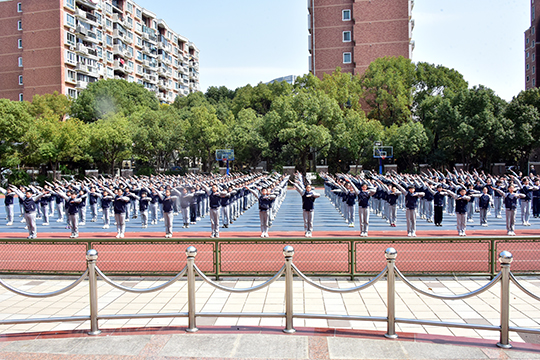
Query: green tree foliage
column 524, row 113
column 260, row 97
column 388, row 83
column 408, row 140
column 15, row 120
column 436, row 80
column 106, row 97
column 54, row 105
column 158, row 136
column 110, row 141
column 247, row 136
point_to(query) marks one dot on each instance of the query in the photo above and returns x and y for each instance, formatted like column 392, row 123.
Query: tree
column 408, row 140
column 524, row 112
column 110, row 141
column 15, row 120
column 357, row 134
column 158, row 136
column 52, row 141
column 388, row 84
column 107, row 97
column 436, row 80
column 54, row 105
column 204, row 134
column 260, row 97
column 246, row 138
column 345, row 88
column 303, row 124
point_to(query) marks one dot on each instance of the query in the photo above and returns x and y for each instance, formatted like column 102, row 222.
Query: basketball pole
column 380, row 166
column 227, row 166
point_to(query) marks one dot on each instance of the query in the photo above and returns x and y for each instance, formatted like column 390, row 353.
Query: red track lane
column 424, row 253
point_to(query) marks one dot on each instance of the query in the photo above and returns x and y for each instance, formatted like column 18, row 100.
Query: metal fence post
column 505, row 258
column 390, row 255
column 288, row 252
column 91, row 257
column 191, row 252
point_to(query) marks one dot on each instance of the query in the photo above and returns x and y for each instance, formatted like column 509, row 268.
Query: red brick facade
column 63, row 45
column 377, row 28
column 531, row 40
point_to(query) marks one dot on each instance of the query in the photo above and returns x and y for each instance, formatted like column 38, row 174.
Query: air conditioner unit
column 71, row 47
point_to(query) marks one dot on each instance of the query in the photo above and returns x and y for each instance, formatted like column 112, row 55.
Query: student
column 120, row 204
column 536, row 199
column 438, row 204
column 308, row 200
column 72, row 206
column 168, row 209
column 265, row 203
column 214, row 198
column 462, row 201
column 411, row 203
column 93, row 197
column 144, row 201
column 82, row 207
column 364, row 194
column 510, row 204
column 527, row 190
column 185, row 205
column 484, row 202
column 154, row 206
column 106, row 202
column 44, row 205
column 225, row 207
column 30, row 208
column 8, row 202
column 497, row 198
column 60, row 206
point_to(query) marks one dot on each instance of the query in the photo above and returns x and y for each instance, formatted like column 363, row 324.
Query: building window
column 533, row 43
column 99, row 35
column 20, row 97
column 19, row 25
column 110, row 72
column 19, row 43
column 71, row 39
column 109, row 40
column 532, row 72
column 70, row 4
column 534, row 55
column 527, row 79
column 20, row 61
column 527, row 66
column 110, row 56
column 347, row 58
column 72, row 93
column 346, row 15
column 71, row 75
column 532, row 30
column 138, row 13
column 70, row 20
column 71, row 58
column 527, row 41
column 20, row 80
column 346, row 36
column 19, row 7
column 534, row 82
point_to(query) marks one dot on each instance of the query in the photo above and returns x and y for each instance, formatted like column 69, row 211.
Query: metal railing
column 352, row 257
column 289, row 269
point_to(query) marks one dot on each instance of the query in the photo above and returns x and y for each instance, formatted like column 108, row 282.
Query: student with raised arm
column 8, row 202
column 30, row 208
column 265, row 203
column 214, row 200
column 120, row 204
column 510, row 204
column 411, row 203
column 73, row 202
column 308, row 208
column 484, row 202
column 168, row 209
column 526, row 189
column 364, row 194
column 461, row 204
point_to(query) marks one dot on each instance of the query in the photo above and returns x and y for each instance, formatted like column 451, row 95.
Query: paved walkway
column 224, row 337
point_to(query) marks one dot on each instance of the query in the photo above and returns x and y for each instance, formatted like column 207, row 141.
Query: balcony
column 88, row 3
column 81, row 49
column 71, row 80
column 81, row 85
column 81, row 30
column 118, row 66
column 88, row 17
column 162, row 71
column 150, row 78
column 119, row 34
column 121, row 51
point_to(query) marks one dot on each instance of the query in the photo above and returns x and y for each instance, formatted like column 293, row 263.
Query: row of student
column 429, row 194
column 226, row 197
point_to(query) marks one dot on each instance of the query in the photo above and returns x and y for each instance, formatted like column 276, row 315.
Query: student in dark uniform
column 411, row 203
column 72, row 206
column 438, row 205
column 8, row 202
column 30, row 209
column 510, row 204
column 461, row 206
column 265, row 203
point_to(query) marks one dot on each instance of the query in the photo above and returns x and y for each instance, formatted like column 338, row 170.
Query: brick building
column 352, row 33
column 531, row 38
column 63, row 45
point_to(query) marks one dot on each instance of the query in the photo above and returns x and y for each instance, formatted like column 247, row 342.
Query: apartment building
column 531, row 39
column 352, row 33
column 64, row 45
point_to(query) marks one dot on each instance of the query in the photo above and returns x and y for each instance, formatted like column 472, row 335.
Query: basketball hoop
column 383, row 157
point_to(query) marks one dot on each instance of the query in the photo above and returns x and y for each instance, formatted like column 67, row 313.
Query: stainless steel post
column 288, row 252
column 191, row 252
column 91, row 257
column 505, row 258
column 390, row 255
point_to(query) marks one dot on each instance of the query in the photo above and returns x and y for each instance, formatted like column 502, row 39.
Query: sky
column 250, row 41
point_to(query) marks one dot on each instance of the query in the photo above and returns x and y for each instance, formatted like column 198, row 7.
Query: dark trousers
column 536, row 207
column 193, row 212
column 437, row 216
